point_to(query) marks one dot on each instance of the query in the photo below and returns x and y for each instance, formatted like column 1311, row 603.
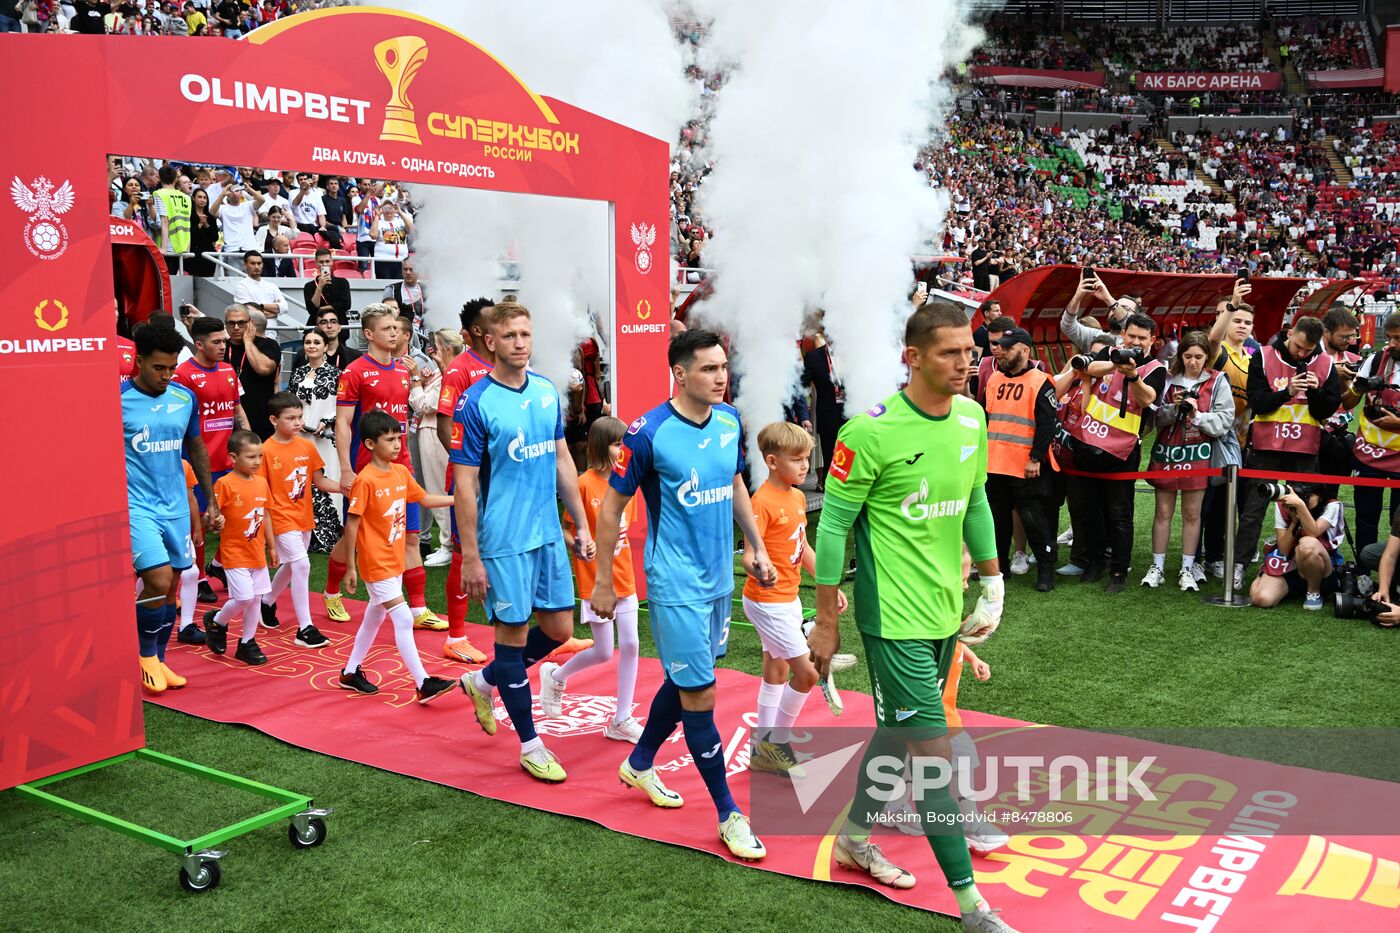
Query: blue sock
column 513, row 684
column 149, row 621
column 662, row 719
column 168, row 619
column 488, row 673
column 707, row 748
column 538, row 645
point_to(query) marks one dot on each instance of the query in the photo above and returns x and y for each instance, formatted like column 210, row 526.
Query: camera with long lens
column 1271, row 491
column 1080, row 362
column 1363, row 384
column 1350, row 602
column 1120, row 355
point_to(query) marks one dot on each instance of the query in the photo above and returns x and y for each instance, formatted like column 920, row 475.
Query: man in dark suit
column 820, row 372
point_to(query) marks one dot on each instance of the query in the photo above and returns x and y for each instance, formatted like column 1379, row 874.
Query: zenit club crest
column 44, row 234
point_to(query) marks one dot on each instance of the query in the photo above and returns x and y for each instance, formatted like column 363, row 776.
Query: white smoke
column 814, row 200
column 616, row 58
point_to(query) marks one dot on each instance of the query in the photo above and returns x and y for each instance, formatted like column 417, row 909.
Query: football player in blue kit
column 509, row 460
column 686, row 457
column 160, row 427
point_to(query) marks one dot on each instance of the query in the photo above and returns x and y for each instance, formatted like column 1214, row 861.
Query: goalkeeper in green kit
column 908, row 475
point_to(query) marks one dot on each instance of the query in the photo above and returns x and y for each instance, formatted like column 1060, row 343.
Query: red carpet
column 1041, row 882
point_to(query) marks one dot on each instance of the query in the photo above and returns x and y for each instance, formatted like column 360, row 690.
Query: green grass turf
column 404, row 854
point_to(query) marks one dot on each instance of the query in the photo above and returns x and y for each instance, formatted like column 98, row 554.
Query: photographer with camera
column 1196, row 416
column 1021, row 402
column 1070, row 390
column 1091, row 287
column 1339, row 330
column 1379, row 559
column 1377, row 449
column 1293, row 388
column 1118, row 386
column 1310, row 531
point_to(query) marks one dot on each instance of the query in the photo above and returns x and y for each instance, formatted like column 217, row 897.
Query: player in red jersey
column 376, row 382
column 217, row 390
column 470, row 366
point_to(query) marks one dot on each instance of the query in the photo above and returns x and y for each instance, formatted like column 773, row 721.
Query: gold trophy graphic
column 399, row 60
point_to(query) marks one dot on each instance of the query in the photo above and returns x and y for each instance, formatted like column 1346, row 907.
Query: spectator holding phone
column 235, row 206
column 1092, row 288
column 133, row 204
column 309, row 211
column 326, row 291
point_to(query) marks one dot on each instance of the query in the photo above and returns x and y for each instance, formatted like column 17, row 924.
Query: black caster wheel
column 315, row 834
column 206, row 879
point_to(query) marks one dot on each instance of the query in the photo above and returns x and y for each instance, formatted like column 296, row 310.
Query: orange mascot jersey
column 381, row 500
column 592, row 487
column 243, row 503
column 288, row 469
column 782, row 522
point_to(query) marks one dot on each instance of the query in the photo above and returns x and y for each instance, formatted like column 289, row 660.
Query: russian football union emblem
column 643, row 235
column 44, row 234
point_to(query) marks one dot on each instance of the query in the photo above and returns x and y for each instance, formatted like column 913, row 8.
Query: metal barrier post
column 1229, row 598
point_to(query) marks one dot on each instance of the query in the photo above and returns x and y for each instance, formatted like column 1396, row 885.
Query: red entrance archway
column 400, row 97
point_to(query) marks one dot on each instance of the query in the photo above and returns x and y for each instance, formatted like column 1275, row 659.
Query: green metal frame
column 288, row 803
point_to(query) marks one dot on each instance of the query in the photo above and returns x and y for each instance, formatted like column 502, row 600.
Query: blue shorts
column 519, row 585
column 156, row 542
column 689, row 639
column 199, row 490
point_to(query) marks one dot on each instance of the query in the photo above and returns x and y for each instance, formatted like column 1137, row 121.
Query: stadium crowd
column 224, row 18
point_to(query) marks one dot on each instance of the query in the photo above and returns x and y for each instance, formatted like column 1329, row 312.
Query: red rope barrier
column 1146, row 474
column 1322, row 478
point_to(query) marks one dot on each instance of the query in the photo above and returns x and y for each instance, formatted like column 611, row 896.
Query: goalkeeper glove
column 986, row 615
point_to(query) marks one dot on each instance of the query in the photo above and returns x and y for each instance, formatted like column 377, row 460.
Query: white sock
column 788, row 709
column 229, row 610
column 1159, row 561
column 480, row 683
column 769, row 696
column 600, row 653
column 1188, row 561
column 296, row 575
column 530, row 746
column 189, row 595
column 417, row 610
column 408, row 648
column 364, row 638
column 252, row 615
column 628, row 649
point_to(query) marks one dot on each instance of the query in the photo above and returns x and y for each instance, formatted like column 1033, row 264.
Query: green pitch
column 403, row 854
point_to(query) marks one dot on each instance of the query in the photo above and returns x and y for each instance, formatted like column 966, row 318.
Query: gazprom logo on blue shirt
column 520, row 451
column 691, row 495
column 141, row 443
